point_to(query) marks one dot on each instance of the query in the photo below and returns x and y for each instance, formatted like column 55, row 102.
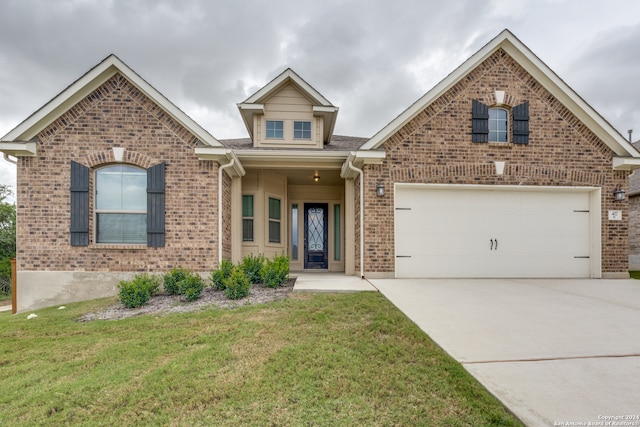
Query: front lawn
column 313, row 359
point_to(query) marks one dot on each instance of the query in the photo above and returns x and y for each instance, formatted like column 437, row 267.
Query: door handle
column 491, row 245
column 496, row 244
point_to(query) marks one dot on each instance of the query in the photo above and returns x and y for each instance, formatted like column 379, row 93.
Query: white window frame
column 274, row 130
column 301, row 131
column 493, row 126
column 97, row 211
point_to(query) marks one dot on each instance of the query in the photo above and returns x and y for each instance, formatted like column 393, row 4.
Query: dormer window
column 302, row 130
column 275, row 129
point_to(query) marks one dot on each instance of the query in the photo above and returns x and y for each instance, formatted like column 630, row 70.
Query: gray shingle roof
column 337, row 143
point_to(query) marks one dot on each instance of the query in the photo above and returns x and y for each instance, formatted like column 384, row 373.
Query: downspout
column 6, row 157
column 220, row 170
column 359, row 171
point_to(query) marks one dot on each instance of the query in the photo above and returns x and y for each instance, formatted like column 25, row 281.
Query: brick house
column 500, row 170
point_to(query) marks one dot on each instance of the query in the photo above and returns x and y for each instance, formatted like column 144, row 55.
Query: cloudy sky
column 371, row 58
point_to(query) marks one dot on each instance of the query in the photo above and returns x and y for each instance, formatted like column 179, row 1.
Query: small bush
column 180, row 281
column 252, row 266
column 172, row 280
column 219, row 276
column 237, row 285
column 191, row 286
column 276, row 272
column 136, row 293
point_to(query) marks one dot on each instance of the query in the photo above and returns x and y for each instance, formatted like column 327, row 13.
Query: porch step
column 330, row 282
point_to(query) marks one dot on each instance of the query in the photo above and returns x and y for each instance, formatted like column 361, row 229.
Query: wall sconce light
column 379, row 190
column 619, row 194
column 316, row 177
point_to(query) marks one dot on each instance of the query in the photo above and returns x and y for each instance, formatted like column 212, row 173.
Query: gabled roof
column 86, row 84
column 540, row 71
column 321, row 106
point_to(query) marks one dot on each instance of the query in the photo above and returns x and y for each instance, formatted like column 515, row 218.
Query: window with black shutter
column 79, row 204
column 521, row 123
column 155, row 205
column 480, row 122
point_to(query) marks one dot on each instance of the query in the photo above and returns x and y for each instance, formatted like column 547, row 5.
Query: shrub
column 172, row 280
column 191, row 286
column 219, row 276
column 276, row 272
column 237, row 285
column 180, row 281
column 252, row 266
column 136, row 293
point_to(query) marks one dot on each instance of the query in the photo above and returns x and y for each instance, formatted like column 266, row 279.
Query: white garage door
column 463, row 232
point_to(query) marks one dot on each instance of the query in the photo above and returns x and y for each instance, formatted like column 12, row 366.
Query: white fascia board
column 626, row 163
column 247, row 111
column 294, row 158
column 321, row 109
column 19, row 149
column 86, row 84
column 223, row 156
column 286, row 75
column 538, row 69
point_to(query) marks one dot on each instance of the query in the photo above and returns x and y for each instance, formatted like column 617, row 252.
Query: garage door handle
column 494, row 245
column 491, row 245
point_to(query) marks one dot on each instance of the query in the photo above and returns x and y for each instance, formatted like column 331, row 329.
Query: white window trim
column 97, row 211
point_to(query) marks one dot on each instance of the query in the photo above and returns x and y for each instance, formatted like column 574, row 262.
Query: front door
column 316, row 235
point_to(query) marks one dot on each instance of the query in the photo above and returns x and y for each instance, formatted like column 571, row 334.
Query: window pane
column 302, row 130
column 247, row 230
column 274, row 208
column 108, row 189
column 275, row 129
column 498, row 125
column 122, row 228
column 134, row 190
column 294, row 231
column 274, row 231
column 247, row 205
column 121, row 188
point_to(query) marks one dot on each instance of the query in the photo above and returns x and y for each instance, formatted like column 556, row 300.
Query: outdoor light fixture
column 316, row 177
column 379, row 190
column 618, row 194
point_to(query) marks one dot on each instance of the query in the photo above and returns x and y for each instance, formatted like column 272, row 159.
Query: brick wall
column 115, row 115
column 436, row 147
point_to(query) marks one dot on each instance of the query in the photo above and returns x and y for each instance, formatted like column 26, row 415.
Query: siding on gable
column 288, row 105
column 436, row 147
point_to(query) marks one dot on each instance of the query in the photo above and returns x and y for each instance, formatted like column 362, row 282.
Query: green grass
column 314, row 359
column 635, row 274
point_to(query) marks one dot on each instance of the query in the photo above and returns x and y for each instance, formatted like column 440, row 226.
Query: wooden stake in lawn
column 14, row 304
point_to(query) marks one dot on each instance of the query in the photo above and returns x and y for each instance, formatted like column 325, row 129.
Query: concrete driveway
column 555, row 352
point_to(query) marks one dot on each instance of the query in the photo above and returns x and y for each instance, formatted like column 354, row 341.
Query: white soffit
column 539, row 70
column 86, row 84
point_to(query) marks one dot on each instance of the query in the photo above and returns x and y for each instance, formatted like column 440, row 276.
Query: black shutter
column 521, row 123
column 79, row 204
column 480, row 122
column 155, row 205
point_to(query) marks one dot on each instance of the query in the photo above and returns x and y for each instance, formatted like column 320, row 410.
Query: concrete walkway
column 330, row 282
column 5, row 307
column 555, row 352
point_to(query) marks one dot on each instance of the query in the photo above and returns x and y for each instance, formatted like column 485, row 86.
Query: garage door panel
column 498, row 233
